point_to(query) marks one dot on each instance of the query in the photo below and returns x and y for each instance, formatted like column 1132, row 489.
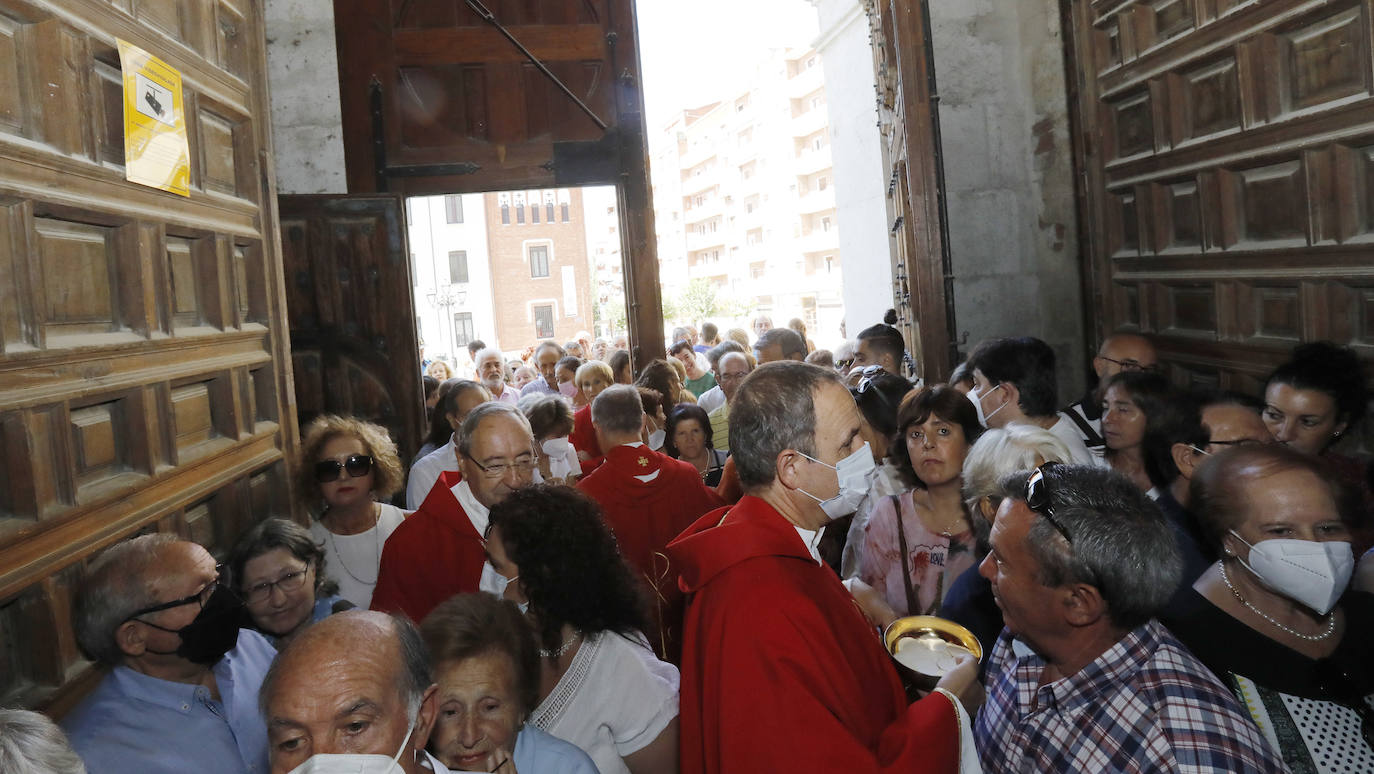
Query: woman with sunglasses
column 345, row 467
column 279, row 574
column 917, row 543
column 1273, row 618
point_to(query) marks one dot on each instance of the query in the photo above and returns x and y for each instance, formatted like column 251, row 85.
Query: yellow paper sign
column 155, row 150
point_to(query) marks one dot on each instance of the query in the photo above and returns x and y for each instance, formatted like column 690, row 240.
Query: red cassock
column 781, row 671
column 645, row 516
column 583, row 438
column 434, row 554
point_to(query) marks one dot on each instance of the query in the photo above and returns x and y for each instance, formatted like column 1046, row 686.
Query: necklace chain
column 1330, row 617
column 377, row 533
column 564, row 648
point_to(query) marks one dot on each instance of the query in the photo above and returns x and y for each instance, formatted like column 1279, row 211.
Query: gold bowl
column 932, row 637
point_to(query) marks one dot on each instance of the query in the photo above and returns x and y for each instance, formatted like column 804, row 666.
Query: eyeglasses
column 500, row 470
column 1132, row 365
column 200, row 597
column 259, row 592
column 357, row 465
column 1038, row 498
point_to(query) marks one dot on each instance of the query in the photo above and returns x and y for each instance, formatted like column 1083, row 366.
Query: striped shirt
column 1145, row 705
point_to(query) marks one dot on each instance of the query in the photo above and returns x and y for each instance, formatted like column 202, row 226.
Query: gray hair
column 789, row 342
column 773, row 410
column 477, row 415
column 1122, row 544
column 115, row 587
column 30, row 743
column 416, row 672
column 618, row 409
column 714, row 354
column 483, row 354
column 1004, row 450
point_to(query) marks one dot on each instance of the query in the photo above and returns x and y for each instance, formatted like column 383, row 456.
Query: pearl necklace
column 567, row 645
column 1330, row 617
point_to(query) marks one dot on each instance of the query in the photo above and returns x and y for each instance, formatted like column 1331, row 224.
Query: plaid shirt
column 1145, row 705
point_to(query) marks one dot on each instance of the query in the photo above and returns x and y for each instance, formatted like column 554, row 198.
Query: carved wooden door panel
column 349, row 302
column 436, row 100
column 143, row 379
column 1227, row 157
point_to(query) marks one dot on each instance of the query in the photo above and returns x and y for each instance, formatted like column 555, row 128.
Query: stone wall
column 303, row 73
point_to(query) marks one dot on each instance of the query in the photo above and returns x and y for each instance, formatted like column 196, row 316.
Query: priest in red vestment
column 438, row 550
column 648, row 498
column 780, row 669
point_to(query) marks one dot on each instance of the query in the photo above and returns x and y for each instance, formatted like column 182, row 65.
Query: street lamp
column 442, row 298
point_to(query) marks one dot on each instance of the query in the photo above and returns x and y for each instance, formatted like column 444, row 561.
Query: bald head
column 1124, row 352
column 357, row 666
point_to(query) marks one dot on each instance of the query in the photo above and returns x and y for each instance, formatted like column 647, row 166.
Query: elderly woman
column 551, row 421
column 345, row 470
column 439, row 370
column 687, row 437
column 918, row 542
column 1136, row 405
column 593, row 377
column 30, row 743
column 601, row 687
column 997, row 453
column 1273, row 617
column 279, row 573
column 486, row 663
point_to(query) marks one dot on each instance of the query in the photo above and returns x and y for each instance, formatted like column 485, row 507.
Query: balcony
column 819, row 241
column 810, row 122
column 707, row 180
column 806, row 82
column 817, row 201
column 705, row 241
column 696, row 154
column 711, row 208
column 810, row 162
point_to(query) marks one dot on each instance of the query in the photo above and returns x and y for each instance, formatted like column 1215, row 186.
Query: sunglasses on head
column 1038, row 498
column 329, row 470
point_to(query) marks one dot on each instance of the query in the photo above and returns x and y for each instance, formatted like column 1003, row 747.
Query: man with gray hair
column 775, row 650
column 733, row 367
column 648, row 498
column 546, row 357
column 30, row 743
column 1083, row 677
column 491, row 369
column 714, row 398
column 777, row 344
column 182, row 692
column 438, row 551
column 356, row 684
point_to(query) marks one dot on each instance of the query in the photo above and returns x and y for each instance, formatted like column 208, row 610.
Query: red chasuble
column 780, row 670
column 583, row 438
column 434, row 554
column 645, row 516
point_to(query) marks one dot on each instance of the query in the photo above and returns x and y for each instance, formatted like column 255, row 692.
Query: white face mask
column 568, row 389
column 1305, row 571
column 495, row 583
column 854, row 474
column 656, row 439
column 556, row 447
column 977, row 399
column 353, row 763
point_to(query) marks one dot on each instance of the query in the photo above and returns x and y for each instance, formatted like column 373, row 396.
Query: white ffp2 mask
column 855, row 476
column 1313, row 573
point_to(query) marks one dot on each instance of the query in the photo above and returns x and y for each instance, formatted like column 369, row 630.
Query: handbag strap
column 906, row 567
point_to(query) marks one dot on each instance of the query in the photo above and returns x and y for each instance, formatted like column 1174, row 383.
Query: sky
column 697, row 51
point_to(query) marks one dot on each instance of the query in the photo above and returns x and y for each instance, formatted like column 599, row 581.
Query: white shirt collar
column 477, row 512
column 812, row 539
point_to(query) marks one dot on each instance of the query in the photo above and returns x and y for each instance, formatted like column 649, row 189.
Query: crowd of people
column 687, row 567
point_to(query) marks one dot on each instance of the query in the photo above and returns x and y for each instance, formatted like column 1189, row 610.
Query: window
column 534, row 213
column 453, row 208
column 548, row 211
column 539, row 261
column 462, row 329
column 825, row 224
column 565, row 212
column 543, row 321
column 414, row 269
column 458, row 266
column 821, row 184
column 505, row 214
column 520, row 214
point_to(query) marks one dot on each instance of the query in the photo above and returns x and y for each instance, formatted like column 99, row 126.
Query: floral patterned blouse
column 933, row 560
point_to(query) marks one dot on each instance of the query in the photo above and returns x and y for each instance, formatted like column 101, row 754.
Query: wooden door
column 350, row 306
column 909, row 125
column 143, row 374
column 1226, row 153
column 436, row 100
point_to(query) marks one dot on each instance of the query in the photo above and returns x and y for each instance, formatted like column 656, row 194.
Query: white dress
column 615, row 698
column 353, row 561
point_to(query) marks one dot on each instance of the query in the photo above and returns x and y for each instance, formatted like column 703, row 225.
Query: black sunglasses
column 329, row 470
column 1038, row 498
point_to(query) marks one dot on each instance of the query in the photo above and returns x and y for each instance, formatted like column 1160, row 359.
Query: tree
column 697, row 302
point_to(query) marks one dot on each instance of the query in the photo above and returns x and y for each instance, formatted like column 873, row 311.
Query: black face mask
column 213, row 633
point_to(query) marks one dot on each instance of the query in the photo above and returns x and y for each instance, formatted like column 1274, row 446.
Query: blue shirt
column 136, row 724
column 538, row 386
column 540, row 752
